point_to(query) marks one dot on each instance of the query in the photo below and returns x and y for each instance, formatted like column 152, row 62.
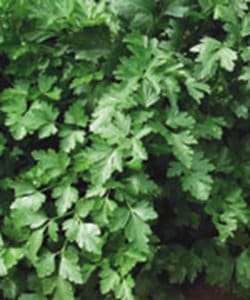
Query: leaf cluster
column 124, row 147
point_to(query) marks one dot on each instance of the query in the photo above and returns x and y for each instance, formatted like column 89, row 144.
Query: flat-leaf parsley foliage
column 124, row 147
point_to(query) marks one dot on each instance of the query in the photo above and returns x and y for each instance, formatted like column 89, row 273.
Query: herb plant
column 124, row 147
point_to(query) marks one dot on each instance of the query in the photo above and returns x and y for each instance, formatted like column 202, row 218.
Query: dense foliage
column 125, row 147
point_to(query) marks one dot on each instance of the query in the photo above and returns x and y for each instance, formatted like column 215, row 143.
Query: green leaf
column 177, row 119
column 103, row 210
column 139, row 152
column 85, row 234
column 199, row 182
column 211, row 51
column 137, row 231
column 12, row 256
column 51, row 163
column 41, row 116
column 32, row 202
column 70, row 269
column 197, row 179
column 197, row 89
column 181, row 146
column 105, row 162
column 75, row 115
column 208, row 57
column 144, row 211
column 70, row 138
column 64, row 290
column 120, row 219
column 46, row 265
column 211, row 127
column 55, row 94
column 229, row 214
column 14, row 105
column 53, row 229
column 150, row 95
column 109, row 280
column 128, row 258
column 124, row 290
column 66, row 196
column 173, row 90
column 25, row 217
column 114, row 131
column 101, row 117
column 227, row 58
column 34, row 244
column 84, row 207
column 45, row 83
